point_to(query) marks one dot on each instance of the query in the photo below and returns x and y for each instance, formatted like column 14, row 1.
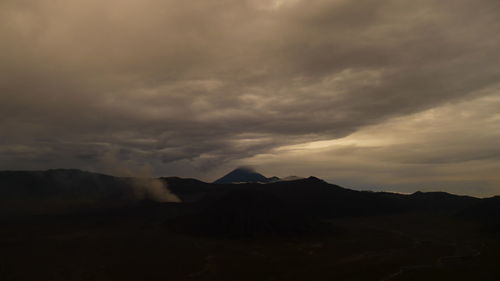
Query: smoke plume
column 143, row 182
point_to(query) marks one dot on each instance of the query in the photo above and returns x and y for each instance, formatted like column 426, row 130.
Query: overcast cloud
column 400, row 93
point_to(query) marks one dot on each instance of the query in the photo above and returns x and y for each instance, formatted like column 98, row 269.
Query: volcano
column 244, row 175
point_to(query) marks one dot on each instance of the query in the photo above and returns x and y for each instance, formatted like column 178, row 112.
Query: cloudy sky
column 398, row 95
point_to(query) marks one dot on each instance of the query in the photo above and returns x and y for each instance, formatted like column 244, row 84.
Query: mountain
column 318, row 198
column 251, row 230
column 244, row 175
column 291, row 178
column 63, row 190
column 441, row 201
column 28, row 192
column 299, row 206
column 55, row 191
column 273, row 179
column 187, row 190
column 249, row 175
column 63, row 183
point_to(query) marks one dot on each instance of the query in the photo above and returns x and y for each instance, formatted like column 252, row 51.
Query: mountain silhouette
column 60, row 190
column 291, row 178
column 61, row 216
column 63, row 190
column 244, row 175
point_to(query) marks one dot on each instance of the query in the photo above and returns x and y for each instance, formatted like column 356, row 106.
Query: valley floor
column 144, row 247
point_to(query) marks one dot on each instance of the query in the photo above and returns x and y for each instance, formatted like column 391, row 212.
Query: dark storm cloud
column 217, row 81
column 452, row 148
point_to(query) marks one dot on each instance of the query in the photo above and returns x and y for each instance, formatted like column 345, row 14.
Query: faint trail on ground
column 440, row 262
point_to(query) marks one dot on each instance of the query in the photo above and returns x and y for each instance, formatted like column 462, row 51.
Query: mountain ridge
column 311, row 195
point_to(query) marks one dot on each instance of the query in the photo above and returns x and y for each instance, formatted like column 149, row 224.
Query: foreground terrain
column 299, row 230
column 140, row 245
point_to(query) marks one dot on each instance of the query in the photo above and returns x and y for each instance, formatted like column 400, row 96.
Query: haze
column 396, row 95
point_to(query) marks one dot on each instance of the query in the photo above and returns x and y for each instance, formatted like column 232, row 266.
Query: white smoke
column 141, row 175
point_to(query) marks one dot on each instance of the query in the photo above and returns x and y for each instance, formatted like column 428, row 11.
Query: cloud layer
column 191, row 88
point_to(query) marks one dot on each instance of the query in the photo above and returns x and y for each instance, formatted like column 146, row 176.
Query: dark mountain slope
column 62, row 190
column 298, row 207
column 61, row 184
column 315, row 197
column 39, row 191
column 188, row 190
column 440, row 201
column 486, row 211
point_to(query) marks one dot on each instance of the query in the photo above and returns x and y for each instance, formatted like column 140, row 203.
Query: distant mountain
column 60, row 190
column 244, row 175
column 316, row 197
column 295, row 206
column 440, row 201
column 273, row 179
column 62, row 184
column 291, row 178
column 249, row 175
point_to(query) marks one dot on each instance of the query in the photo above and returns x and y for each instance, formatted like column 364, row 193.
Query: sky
column 394, row 95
